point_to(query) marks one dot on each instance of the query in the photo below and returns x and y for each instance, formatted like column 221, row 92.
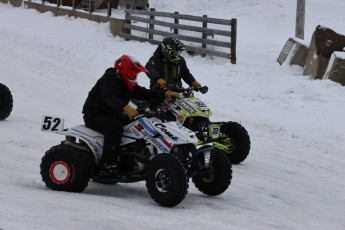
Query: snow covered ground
column 292, row 179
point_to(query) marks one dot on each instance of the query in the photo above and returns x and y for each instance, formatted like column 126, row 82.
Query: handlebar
column 145, row 108
column 188, row 92
column 202, row 90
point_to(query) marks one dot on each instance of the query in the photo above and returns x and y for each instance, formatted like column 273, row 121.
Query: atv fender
column 85, row 138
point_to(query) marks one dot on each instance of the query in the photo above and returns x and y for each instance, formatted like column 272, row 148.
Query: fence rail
column 215, row 37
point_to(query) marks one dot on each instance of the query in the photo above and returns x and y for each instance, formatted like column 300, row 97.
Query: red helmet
column 129, row 68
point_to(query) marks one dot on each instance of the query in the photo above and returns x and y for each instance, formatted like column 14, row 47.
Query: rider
column 167, row 67
column 106, row 108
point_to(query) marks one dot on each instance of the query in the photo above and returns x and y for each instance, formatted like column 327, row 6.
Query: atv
column 228, row 137
column 6, row 102
column 163, row 154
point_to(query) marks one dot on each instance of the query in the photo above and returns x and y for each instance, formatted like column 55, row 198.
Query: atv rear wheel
column 166, row 180
column 65, row 168
column 6, row 102
column 216, row 179
column 236, row 138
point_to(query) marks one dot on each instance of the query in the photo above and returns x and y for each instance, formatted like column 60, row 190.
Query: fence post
column 127, row 21
column 109, row 9
column 151, row 25
column 300, row 12
column 233, row 40
column 58, row 3
column 73, row 5
column 90, row 6
column 204, row 35
column 176, row 21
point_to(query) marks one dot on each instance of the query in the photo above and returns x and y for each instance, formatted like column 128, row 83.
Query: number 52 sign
column 52, row 124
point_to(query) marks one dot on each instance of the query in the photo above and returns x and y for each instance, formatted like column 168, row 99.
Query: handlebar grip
column 142, row 110
column 203, row 89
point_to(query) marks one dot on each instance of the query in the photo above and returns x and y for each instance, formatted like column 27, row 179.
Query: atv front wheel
column 216, row 179
column 65, row 168
column 166, row 180
column 6, row 102
column 236, row 140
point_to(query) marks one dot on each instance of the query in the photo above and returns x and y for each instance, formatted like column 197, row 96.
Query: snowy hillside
column 292, row 179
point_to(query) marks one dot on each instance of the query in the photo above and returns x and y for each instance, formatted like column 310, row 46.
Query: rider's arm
column 155, row 71
column 185, row 73
column 141, row 93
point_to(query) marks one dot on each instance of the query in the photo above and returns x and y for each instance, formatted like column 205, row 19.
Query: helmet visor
column 174, row 53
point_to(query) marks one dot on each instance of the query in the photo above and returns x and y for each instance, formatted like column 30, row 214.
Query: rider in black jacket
column 167, row 67
column 107, row 108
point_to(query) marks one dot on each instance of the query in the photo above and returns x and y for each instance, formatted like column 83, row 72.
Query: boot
column 109, row 170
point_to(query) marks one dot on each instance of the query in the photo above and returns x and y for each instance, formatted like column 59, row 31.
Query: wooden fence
column 201, row 35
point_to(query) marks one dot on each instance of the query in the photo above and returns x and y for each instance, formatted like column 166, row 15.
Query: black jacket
column 110, row 95
column 159, row 67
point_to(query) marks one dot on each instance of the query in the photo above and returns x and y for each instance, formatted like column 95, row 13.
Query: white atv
column 163, row 154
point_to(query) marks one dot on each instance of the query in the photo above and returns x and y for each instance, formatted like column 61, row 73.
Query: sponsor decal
column 156, row 142
column 166, row 143
column 200, row 104
column 143, row 125
column 136, row 132
column 139, row 127
column 165, row 131
column 186, row 106
column 98, row 148
column 128, row 131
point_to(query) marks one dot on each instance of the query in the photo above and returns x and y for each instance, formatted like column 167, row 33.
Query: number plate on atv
column 214, row 130
column 207, row 158
column 52, row 124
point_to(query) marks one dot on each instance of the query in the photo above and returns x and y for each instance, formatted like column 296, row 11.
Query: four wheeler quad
column 161, row 153
column 6, row 102
column 229, row 137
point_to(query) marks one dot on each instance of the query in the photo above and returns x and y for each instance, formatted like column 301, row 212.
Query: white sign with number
column 52, row 124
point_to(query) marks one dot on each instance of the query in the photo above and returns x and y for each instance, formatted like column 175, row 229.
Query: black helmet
column 171, row 48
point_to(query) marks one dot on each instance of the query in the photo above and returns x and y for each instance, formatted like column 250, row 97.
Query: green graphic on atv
column 229, row 137
column 191, row 107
